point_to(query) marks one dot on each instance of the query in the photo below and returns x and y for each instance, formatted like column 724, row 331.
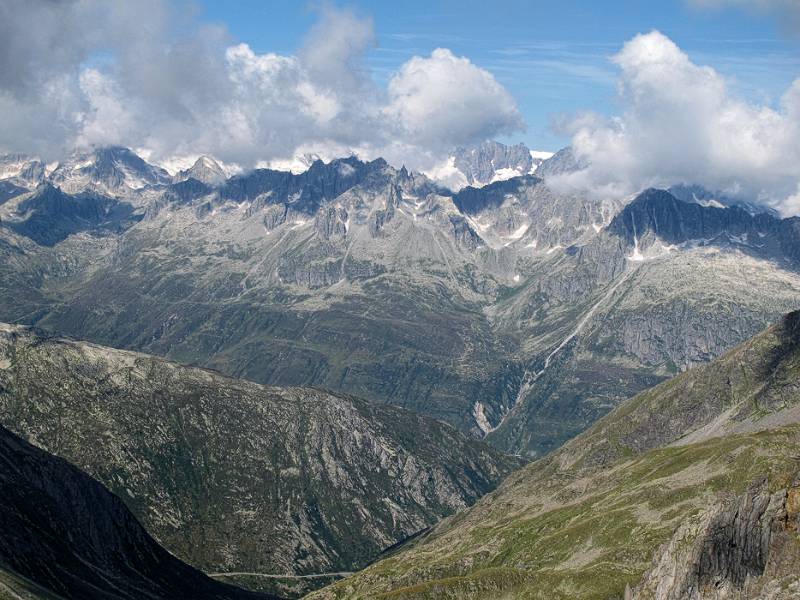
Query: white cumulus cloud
column 445, row 99
column 681, row 124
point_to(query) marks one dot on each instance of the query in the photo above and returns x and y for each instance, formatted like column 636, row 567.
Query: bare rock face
column 331, row 222
column 562, row 162
column 108, row 169
column 206, row 170
column 743, row 549
column 480, row 163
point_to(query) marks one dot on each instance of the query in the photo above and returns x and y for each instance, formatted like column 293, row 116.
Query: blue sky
column 552, row 56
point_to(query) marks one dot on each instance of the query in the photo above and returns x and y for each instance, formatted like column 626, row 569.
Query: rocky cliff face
column 696, row 194
column 206, row 170
column 490, row 161
column 752, row 387
column 657, row 218
column 306, row 191
column 110, row 170
column 562, row 162
column 744, row 548
column 64, row 536
column 235, row 477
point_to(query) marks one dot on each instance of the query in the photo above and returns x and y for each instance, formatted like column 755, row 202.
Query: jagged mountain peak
column 485, row 163
column 109, row 168
column 206, row 170
column 656, row 223
column 22, row 170
column 344, row 166
column 490, row 160
column 306, row 191
column 656, row 215
column 206, row 161
column 475, row 199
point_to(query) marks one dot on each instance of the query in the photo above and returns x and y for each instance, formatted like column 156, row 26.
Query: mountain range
column 291, row 377
column 517, row 312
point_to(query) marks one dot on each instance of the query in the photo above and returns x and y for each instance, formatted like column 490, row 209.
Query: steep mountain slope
column 514, row 312
column 656, row 221
column 700, row 195
column 664, row 477
column 48, row 216
column 63, row 535
column 685, row 282
column 562, row 162
column 234, row 477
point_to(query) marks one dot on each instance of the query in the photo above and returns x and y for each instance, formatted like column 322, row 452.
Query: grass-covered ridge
column 575, row 537
column 587, row 520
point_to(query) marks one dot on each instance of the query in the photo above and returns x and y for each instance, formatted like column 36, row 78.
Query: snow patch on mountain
column 541, row 155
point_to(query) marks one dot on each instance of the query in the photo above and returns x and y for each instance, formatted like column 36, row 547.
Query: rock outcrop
column 745, row 548
column 481, row 164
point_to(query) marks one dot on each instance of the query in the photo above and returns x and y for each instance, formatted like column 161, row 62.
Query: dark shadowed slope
column 63, row 535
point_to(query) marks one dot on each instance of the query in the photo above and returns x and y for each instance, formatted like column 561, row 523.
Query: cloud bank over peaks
column 176, row 87
column 680, row 124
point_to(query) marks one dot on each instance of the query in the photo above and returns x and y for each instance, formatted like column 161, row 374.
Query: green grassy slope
column 587, row 520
